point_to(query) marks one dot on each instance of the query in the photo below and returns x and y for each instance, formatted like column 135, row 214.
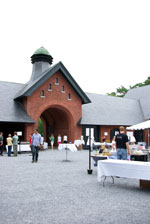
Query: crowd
column 12, row 142
column 120, row 143
column 36, row 141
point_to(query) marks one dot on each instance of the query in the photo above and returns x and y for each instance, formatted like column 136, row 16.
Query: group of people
column 121, row 143
column 11, row 142
column 59, row 140
column 35, row 143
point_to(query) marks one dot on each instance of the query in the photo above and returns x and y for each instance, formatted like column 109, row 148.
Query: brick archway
column 57, row 120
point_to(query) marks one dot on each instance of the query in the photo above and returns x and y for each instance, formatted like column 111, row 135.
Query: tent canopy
column 140, row 126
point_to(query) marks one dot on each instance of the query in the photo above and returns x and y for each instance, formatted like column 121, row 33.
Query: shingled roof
column 109, row 110
column 11, row 110
column 138, row 93
column 142, row 95
column 103, row 110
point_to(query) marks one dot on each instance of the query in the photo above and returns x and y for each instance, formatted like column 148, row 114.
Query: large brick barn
column 63, row 107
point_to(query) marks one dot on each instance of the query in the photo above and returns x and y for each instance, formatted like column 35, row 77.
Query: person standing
column 59, row 139
column 122, row 144
column 1, row 144
column 65, row 138
column 15, row 143
column 9, row 143
column 30, row 142
column 36, row 141
column 52, row 139
column 42, row 142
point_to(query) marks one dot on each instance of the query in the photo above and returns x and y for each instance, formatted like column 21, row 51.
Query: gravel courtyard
column 58, row 192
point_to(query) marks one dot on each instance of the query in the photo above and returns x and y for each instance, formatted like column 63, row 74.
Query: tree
column 40, row 127
column 121, row 91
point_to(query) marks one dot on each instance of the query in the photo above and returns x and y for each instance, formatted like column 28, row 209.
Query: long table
column 123, row 168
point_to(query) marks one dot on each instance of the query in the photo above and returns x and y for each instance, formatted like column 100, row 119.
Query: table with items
column 123, row 168
column 104, row 155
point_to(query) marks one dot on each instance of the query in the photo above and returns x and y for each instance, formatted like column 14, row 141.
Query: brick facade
column 107, row 129
column 55, row 108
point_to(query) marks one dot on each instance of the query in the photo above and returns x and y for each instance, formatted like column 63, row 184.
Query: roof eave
column 68, row 76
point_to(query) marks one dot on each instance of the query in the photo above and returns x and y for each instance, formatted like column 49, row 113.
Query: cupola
column 41, row 60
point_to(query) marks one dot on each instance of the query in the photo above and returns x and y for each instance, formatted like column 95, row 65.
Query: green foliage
column 40, row 127
column 121, row 91
column 111, row 94
column 147, row 81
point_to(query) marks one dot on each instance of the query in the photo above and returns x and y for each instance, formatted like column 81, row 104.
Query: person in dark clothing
column 122, row 144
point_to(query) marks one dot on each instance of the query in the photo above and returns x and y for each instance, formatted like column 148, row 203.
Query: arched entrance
column 57, row 120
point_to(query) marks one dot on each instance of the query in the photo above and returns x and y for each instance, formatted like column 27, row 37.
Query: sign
column 19, row 133
column 87, row 132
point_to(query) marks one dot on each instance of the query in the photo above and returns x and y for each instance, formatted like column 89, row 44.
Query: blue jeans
column 122, row 154
column 9, row 150
column 35, row 153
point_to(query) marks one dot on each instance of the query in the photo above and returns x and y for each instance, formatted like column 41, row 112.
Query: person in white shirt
column 65, row 138
column 59, row 139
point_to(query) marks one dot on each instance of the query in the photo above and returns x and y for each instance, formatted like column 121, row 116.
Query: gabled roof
column 142, row 95
column 11, row 110
column 138, row 93
column 109, row 110
column 30, row 87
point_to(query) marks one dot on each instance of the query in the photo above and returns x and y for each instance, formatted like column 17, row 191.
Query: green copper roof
column 41, row 50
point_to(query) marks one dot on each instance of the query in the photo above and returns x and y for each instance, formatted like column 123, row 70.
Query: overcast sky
column 103, row 44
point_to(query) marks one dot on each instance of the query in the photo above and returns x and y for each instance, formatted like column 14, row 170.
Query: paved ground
column 58, row 192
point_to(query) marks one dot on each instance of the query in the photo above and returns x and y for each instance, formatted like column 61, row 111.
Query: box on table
column 143, row 158
column 145, row 184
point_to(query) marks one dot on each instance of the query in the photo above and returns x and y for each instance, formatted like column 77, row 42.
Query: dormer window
column 50, row 87
column 56, row 81
column 63, row 89
column 42, row 94
column 69, row 96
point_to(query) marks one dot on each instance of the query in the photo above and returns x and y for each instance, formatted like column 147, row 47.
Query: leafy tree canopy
column 40, row 127
column 121, row 91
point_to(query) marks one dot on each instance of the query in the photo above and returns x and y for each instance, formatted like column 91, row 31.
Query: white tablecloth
column 123, row 168
column 45, row 145
column 102, row 143
column 79, row 142
column 71, row 147
column 21, row 148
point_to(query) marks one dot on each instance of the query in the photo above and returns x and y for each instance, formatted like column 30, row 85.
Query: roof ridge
column 12, row 82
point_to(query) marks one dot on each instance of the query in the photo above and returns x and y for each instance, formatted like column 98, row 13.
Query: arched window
column 42, row 93
column 69, row 96
column 63, row 89
column 50, row 87
column 56, row 81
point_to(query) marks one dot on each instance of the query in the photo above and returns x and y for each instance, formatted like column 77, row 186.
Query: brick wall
column 55, row 107
column 107, row 129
